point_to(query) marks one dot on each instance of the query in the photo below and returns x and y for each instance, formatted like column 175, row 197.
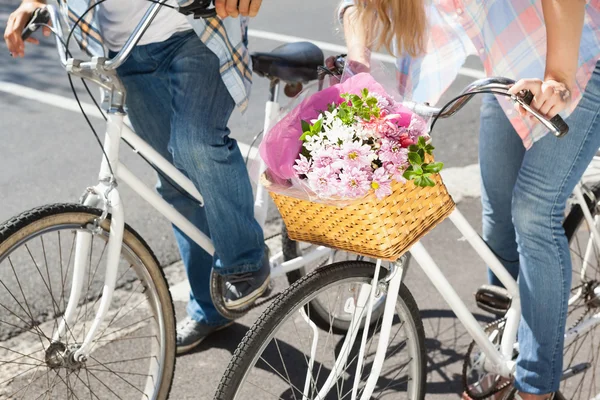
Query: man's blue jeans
column 178, row 103
column 524, row 194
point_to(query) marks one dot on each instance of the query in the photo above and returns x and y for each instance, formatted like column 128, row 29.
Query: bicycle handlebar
column 556, row 125
column 200, row 9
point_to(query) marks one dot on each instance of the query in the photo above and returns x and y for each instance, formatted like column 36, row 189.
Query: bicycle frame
column 106, row 195
column 499, row 361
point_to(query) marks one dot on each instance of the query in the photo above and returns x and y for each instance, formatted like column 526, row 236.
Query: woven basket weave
column 375, row 228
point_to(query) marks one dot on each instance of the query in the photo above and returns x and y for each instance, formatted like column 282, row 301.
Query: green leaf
column 421, row 154
column 413, row 147
column 433, row 168
column 419, row 181
column 365, row 92
column 410, row 175
column 422, row 142
column 305, row 126
column 418, row 170
column 316, row 128
column 372, row 101
column 415, row 159
column 427, row 181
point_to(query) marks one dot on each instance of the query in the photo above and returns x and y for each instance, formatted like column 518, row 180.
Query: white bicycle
column 85, row 310
column 286, row 356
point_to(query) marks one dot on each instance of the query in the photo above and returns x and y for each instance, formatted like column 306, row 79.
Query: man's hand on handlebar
column 235, row 8
column 17, row 21
column 550, row 97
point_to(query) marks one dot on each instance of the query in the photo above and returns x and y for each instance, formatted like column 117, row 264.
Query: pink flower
column 382, row 183
column 323, row 181
column 396, row 171
column 355, row 183
column 383, row 128
column 392, row 151
column 406, row 139
column 303, row 165
column 354, row 155
column 325, row 157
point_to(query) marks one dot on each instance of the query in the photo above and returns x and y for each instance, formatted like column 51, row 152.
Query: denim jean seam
column 557, row 246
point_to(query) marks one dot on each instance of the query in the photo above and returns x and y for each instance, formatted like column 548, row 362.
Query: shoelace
column 185, row 327
column 238, row 278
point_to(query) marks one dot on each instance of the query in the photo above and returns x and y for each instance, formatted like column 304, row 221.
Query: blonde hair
column 402, row 20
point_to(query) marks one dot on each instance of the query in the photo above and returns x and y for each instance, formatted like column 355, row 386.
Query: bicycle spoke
column 54, row 304
column 279, row 374
column 64, row 278
column 49, row 280
column 30, row 315
column 23, row 355
column 103, row 384
column 19, row 374
column 285, row 369
column 123, row 361
column 87, row 374
column 114, row 373
column 31, row 380
column 266, row 391
column 125, row 327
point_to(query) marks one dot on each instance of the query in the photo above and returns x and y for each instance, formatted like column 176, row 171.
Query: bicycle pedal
column 493, row 299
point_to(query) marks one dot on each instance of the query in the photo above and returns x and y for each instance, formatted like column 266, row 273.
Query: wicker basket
column 375, row 228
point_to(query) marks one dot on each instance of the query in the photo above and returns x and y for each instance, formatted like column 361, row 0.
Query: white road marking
column 336, row 48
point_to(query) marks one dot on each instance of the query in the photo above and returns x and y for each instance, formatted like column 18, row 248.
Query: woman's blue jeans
column 178, row 103
column 524, row 195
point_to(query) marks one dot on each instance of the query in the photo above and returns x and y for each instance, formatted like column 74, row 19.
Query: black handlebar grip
column 39, row 16
column 557, row 121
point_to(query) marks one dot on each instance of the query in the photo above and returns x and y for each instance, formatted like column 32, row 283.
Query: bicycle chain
column 495, row 389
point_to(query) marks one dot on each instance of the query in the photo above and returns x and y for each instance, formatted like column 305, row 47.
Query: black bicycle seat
column 291, row 62
column 198, row 8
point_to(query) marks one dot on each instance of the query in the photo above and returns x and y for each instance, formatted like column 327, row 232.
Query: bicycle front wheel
column 133, row 353
column 285, row 355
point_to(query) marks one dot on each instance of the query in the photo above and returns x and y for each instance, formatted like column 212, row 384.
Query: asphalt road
column 48, row 155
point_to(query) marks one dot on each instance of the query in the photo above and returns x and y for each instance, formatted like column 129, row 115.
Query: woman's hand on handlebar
column 550, row 97
column 17, row 21
column 235, row 8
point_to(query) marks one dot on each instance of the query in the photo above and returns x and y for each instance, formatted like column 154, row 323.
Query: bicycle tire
column 291, row 300
column 318, row 312
column 22, row 230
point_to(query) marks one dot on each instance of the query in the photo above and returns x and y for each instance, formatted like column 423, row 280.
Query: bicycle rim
column 274, row 360
column 133, row 353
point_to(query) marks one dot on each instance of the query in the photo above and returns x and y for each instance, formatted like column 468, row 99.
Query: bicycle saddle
column 291, row 62
column 198, row 8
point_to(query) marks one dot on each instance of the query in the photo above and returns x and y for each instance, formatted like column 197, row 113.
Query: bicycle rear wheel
column 273, row 360
column 581, row 379
column 133, row 355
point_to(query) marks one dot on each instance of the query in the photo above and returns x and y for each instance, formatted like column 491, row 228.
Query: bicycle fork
column 106, row 193
column 365, row 301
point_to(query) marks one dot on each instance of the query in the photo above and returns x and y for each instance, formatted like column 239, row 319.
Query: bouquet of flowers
column 348, row 141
